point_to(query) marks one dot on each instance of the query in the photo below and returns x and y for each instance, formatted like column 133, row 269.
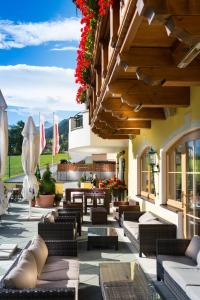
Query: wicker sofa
column 43, row 270
column 178, row 266
column 143, row 232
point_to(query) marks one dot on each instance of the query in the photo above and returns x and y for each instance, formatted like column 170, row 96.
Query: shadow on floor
column 89, row 292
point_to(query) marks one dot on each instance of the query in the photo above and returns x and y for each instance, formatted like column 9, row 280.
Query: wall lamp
column 152, row 160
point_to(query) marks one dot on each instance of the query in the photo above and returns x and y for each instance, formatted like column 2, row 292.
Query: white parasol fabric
column 30, row 158
column 3, row 151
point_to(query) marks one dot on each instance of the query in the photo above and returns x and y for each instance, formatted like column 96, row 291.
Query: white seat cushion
column 135, row 232
column 185, row 276
column 130, row 224
column 193, row 292
column 60, row 268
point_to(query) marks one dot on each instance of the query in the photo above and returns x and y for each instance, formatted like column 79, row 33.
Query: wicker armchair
column 57, row 231
column 72, row 206
column 67, row 213
column 119, row 207
column 63, row 235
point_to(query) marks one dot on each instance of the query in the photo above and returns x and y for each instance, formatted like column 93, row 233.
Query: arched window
column 183, row 180
column 147, row 177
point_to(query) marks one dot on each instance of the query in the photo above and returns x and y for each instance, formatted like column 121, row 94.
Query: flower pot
column 33, row 202
column 118, row 194
column 45, row 201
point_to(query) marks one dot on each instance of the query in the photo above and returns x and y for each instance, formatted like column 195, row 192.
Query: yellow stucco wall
column 161, row 136
column 161, row 131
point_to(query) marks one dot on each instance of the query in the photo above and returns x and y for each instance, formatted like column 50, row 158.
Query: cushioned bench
column 144, row 228
column 178, row 263
column 42, row 272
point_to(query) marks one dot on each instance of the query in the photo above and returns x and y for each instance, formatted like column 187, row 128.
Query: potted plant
column 46, row 190
column 116, row 186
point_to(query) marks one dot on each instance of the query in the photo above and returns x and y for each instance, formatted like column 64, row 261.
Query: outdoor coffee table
column 102, row 237
column 125, row 281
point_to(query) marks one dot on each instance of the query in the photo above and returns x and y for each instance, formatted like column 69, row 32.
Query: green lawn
column 16, row 166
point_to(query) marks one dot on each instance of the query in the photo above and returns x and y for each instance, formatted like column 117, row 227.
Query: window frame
column 191, row 136
column 146, row 194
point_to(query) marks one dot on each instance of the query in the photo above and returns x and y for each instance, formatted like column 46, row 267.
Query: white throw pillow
column 193, row 248
column 24, row 275
column 147, row 216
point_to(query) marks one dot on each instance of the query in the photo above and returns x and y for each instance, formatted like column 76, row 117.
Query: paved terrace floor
column 14, row 228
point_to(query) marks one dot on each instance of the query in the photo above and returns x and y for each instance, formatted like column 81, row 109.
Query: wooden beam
column 98, row 80
column 114, row 22
column 155, row 76
column 114, row 104
column 114, row 137
column 147, row 95
column 145, row 113
column 116, row 131
column 186, row 30
column 145, row 57
column 136, row 124
column 164, row 99
column 163, row 9
column 104, row 57
column 131, row 32
column 129, row 124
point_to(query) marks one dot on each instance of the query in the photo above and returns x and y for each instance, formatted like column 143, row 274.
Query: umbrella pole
column 29, row 215
column 53, row 142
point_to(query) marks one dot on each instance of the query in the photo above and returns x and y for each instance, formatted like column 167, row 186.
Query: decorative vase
column 45, row 201
column 118, row 194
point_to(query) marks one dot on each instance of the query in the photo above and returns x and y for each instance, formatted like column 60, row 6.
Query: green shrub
column 47, row 185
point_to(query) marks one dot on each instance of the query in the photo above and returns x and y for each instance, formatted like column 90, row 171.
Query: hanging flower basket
column 91, row 11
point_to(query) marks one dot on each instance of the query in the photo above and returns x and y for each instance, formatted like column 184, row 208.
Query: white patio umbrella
column 3, row 151
column 30, row 158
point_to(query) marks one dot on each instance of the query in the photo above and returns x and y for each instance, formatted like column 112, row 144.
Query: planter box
column 45, row 201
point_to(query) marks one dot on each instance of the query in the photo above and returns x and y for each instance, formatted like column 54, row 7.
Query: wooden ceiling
column 145, row 66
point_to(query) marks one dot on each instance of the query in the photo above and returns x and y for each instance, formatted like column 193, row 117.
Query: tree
column 15, row 138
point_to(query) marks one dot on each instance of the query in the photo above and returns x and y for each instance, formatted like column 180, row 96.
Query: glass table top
column 102, row 231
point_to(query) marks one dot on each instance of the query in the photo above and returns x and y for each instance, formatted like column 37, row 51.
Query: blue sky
column 38, row 42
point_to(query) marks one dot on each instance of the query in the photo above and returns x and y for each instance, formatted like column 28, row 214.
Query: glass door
column 191, row 188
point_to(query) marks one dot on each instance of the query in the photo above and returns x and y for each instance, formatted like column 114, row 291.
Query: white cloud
column 39, row 89
column 19, row 35
column 68, row 48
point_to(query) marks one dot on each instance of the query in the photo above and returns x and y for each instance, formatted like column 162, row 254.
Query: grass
column 16, row 166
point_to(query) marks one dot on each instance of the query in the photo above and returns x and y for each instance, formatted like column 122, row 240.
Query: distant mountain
column 47, row 124
column 63, row 127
